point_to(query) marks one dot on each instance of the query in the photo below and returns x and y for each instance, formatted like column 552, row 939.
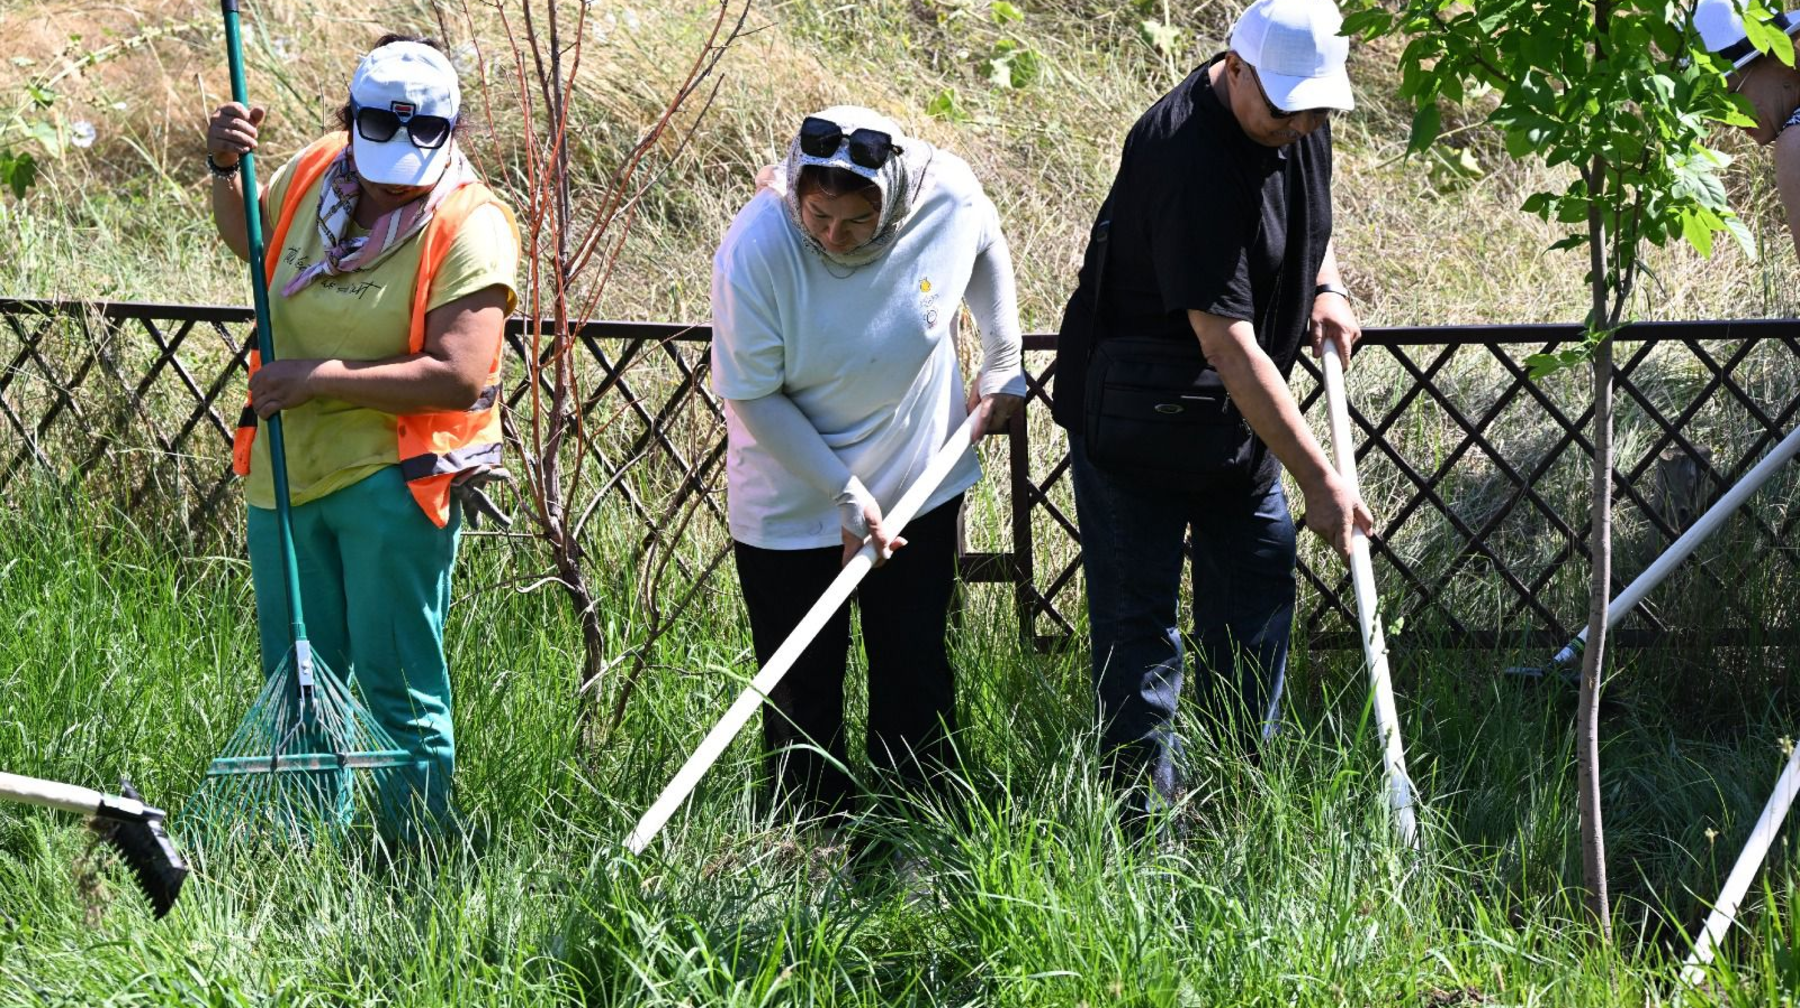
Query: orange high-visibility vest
column 434, row 447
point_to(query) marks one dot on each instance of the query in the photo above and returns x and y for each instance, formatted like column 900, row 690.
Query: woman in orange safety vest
column 391, row 274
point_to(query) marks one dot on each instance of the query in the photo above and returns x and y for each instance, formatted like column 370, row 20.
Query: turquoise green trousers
column 374, row 589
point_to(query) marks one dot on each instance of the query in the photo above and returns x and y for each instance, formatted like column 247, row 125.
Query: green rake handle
column 265, row 345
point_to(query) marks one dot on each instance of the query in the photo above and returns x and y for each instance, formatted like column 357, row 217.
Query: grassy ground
column 121, row 659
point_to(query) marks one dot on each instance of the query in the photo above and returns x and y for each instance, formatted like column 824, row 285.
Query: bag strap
column 1102, row 234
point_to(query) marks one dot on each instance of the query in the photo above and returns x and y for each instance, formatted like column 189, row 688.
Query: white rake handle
column 1690, row 540
column 67, row 797
column 688, row 777
column 1362, row 572
column 1738, row 882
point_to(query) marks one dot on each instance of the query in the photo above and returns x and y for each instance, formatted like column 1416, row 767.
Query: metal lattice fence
column 1477, row 474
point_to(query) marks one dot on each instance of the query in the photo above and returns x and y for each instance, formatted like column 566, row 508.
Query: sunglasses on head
column 378, row 125
column 1277, row 112
column 869, row 148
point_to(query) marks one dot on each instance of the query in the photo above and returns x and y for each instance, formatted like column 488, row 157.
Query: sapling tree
column 573, row 232
column 1620, row 91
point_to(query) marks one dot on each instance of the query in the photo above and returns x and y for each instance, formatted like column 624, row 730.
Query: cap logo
column 403, row 110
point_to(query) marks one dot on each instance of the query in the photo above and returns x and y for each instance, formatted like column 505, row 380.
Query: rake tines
column 305, row 760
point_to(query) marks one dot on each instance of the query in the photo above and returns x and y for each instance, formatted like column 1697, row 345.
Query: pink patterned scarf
column 337, row 209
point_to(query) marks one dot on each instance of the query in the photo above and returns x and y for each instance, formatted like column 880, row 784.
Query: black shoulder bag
column 1156, row 414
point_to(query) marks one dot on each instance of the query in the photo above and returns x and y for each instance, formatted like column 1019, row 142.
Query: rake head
column 1551, row 673
column 1563, row 678
column 306, row 759
column 145, row 848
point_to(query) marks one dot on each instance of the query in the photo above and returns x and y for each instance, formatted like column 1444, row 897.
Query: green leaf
column 1467, row 165
column 1451, row 88
column 1371, row 22
column 1695, row 232
column 1427, row 123
column 1769, row 39
column 1013, row 65
column 18, row 171
column 1538, row 70
column 1416, row 80
column 1027, row 67
column 1734, row 226
column 944, row 105
column 1002, row 12
column 1164, row 38
column 47, row 136
column 1741, row 113
column 1543, row 365
column 1453, row 169
column 1693, row 175
column 42, row 96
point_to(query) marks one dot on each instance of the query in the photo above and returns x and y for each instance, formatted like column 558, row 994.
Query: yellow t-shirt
column 364, row 315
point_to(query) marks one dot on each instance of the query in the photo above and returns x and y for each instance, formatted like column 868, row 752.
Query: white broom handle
column 1738, row 882
column 1690, row 540
column 67, row 797
column 688, row 777
column 1362, row 573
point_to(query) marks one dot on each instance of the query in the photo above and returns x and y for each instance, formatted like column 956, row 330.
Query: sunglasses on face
column 869, row 148
column 1275, row 111
column 378, row 125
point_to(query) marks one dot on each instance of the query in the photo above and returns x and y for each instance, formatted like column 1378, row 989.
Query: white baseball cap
column 1721, row 29
column 1297, row 52
column 408, row 79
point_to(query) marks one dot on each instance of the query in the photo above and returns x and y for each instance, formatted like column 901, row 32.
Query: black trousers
column 912, row 712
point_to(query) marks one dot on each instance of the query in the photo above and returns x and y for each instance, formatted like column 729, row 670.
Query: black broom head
column 146, row 849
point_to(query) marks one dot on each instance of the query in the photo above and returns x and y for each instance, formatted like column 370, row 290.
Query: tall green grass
column 118, row 657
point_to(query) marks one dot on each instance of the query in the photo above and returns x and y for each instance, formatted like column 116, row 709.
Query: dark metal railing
column 1477, row 473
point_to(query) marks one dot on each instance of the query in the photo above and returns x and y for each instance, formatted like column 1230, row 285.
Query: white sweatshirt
column 867, row 360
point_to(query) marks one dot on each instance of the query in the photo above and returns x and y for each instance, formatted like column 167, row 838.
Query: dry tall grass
column 126, row 217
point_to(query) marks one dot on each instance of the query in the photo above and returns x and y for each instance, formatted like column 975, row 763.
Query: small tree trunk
column 569, row 256
column 1587, row 719
column 587, row 615
column 1587, row 716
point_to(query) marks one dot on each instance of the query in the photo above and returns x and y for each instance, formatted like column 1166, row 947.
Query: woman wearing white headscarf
column 836, row 294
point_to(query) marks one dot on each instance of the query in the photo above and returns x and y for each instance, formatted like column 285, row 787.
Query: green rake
column 307, row 755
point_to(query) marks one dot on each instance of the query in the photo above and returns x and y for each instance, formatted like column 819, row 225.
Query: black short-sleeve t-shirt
column 1202, row 217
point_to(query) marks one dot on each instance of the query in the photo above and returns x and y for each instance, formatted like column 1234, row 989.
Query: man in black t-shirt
column 1217, row 228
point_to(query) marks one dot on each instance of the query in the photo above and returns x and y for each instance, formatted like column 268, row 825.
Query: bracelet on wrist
column 219, row 170
column 1331, row 288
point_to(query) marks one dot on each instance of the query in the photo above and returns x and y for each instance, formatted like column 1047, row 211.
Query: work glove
column 468, row 489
